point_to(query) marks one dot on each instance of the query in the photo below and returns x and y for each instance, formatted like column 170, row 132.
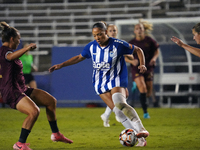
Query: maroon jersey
column 148, row 45
column 12, row 83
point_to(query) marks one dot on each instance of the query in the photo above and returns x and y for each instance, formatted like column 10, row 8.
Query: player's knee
column 35, row 113
column 50, row 100
column 143, row 89
column 119, row 100
column 53, row 101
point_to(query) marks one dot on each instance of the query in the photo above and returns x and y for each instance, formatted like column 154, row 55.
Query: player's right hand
column 178, row 41
column 142, row 68
column 32, row 46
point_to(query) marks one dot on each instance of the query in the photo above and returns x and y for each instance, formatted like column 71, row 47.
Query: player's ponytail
column 4, row 25
column 7, row 32
column 148, row 27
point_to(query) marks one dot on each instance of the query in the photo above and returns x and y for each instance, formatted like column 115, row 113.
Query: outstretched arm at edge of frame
column 71, row 61
column 191, row 49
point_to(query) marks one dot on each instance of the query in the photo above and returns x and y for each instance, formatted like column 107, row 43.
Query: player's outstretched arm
column 141, row 57
column 178, row 41
column 19, row 53
column 71, row 61
column 191, row 49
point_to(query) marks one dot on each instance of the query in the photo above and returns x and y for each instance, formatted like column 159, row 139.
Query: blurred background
column 61, row 29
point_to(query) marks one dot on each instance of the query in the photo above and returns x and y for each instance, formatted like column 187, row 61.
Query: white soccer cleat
column 105, row 121
column 141, row 142
column 143, row 133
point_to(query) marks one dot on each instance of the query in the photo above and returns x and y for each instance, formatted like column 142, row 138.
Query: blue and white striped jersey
column 109, row 67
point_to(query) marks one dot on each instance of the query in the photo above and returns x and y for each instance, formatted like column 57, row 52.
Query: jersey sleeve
column 126, row 47
column 7, row 54
column 86, row 51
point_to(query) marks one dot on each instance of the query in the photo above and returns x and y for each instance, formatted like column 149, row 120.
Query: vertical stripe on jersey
column 118, row 69
column 92, row 52
column 111, row 83
column 93, row 55
column 97, row 79
column 104, row 78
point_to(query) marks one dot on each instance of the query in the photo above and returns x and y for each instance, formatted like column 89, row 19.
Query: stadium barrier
column 176, row 80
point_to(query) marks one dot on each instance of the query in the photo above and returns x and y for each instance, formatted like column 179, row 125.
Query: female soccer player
column 112, row 31
column 17, row 95
column 196, row 37
column 149, row 46
column 110, row 74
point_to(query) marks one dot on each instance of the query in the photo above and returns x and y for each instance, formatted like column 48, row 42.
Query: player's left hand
column 142, row 68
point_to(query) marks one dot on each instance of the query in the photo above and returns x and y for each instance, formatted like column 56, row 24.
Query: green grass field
column 170, row 129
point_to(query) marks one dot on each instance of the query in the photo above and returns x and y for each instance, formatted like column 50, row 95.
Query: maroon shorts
column 148, row 75
column 15, row 97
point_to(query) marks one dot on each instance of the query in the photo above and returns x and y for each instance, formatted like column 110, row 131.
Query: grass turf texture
column 170, row 129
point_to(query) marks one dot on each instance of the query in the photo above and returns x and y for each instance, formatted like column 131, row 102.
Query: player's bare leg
column 142, row 87
column 26, row 106
column 43, row 98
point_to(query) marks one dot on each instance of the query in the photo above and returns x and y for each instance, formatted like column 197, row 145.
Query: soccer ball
column 128, row 137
